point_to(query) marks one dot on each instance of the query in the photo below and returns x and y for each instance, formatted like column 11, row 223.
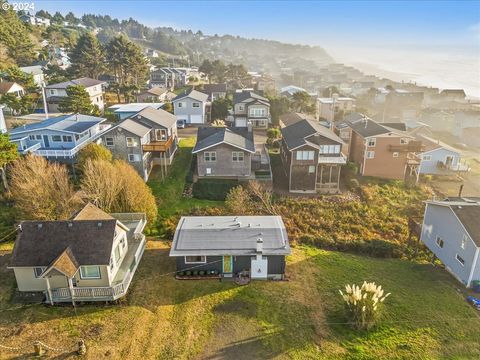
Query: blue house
column 451, row 230
column 439, row 158
column 59, row 137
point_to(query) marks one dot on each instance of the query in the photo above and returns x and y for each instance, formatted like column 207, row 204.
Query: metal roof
column 229, row 235
column 134, row 107
column 237, row 137
column 75, row 123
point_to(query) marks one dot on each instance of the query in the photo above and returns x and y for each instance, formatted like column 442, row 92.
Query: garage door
column 196, row 119
column 241, row 122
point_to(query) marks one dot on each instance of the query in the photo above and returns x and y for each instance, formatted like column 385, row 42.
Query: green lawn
column 168, row 191
column 164, row 318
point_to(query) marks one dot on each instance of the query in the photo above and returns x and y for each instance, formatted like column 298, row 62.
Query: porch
column 328, row 173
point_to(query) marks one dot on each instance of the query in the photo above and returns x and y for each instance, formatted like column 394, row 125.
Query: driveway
column 190, row 131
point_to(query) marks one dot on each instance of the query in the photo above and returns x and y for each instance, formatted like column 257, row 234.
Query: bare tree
column 260, row 193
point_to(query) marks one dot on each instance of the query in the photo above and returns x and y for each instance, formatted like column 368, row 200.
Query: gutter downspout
column 475, row 260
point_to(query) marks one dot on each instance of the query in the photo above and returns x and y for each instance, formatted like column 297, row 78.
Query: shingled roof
column 296, row 135
column 208, row 137
column 157, row 116
column 193, row 94
column 87, row 82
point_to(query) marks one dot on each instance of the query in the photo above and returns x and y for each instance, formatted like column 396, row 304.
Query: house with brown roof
column 91, row 257
column 11, row 88
column 451, row 230
column 311, row 155
column 382, row 150
column 155, row 95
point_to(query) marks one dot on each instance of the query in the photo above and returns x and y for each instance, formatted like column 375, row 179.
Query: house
column 124, row 111
column 215, row 91
column 250, row 108
column 145, row 139
column 55, row 93
column 155, row 95
column 191, row 107
column 37, row 73
column 453, row 95
column 59, row 138
column 380, row 149
column 439, row 158
column 59, row 56
column 12, row 88
column 466, row 125
column 162, row 78
column 402, row 104
column 334, row 107
column 230, row 245
column 34, row 20
column 3, row 125
column 91, row 257
column 451, row 230
column 265, row 84
column 312, row 156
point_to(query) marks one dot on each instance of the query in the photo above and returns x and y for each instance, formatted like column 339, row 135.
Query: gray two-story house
column 145, row 139
column 224, row 152
column 250, row 108
column 451, row 230
column 312, row 156
column 59, row 138
column 191, row 107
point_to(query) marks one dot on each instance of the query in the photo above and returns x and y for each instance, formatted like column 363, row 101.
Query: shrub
column 188, row 273
column 195, row 272
column 362, row 304
column 210, row 189
column 181, row 273
column 201, row 273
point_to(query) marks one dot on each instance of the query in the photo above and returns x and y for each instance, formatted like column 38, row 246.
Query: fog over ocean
column 442, row 67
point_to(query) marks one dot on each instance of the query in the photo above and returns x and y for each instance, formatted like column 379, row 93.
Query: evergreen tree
column 58, row 18
column 78, row 101
column 87, row 57
column 8, row 154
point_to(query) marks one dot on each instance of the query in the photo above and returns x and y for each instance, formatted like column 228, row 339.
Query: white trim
column 91, row 278
column 474, row 263
column 457, row 258
column 223, row 142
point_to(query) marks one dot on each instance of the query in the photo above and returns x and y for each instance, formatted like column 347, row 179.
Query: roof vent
column 70, row 224
column 99, row 224
column 39, row 226
column 239, row 224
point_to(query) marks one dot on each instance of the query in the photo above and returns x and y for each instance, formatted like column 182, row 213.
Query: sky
column 412, row 34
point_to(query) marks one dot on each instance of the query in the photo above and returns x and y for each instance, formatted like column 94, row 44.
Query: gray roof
column 229, row 235
column 367, row 127
column 157, row 116
column 34, row 69
column 242, row 96
column 75, row 123
column 41, row 242
column 296, row 135
column 212, row 88
column 87, row 82
column 294, row 117
column 134, row 127
column 208, row 137
column 134, row 107
column 433, row 144
column 467, row 209
column 193, row 94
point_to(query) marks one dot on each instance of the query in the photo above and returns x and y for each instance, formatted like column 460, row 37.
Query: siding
column 430, row 166
column 184, row 113
column 441, row 221
column 224, row 166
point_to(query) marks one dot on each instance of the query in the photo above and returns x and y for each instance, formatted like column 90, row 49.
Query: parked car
column 180, row 124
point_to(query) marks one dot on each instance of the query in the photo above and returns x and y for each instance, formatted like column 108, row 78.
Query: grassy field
column 164, row 318
column 168, row 191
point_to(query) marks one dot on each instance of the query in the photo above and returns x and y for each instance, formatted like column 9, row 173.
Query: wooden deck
column 158, row 146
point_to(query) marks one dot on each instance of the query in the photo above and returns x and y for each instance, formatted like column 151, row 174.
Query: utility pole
column 45, row 108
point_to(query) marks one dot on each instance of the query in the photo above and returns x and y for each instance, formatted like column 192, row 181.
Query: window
column 109, row 141
column 403, row 141
column 181, row 104
column 133, row 157
column 311, row 169
column 67, row 138
column 131, row 142
column 195, row 259
column 427, row 157
column 395, row 154
column 237, row 156
column 370, row 154
column 38, row 137
column 38, row 271
column 32, row 137
column 196, row 105
column 344, row 134
column 329, row 149
column 53, row 92
column 440, row 242
column 463, row 242
column 460, row 260
column 210, row 156
column 372, row 142
column 56, row 138
column 305, row 155
column 122, row 241
column 117, row 254
column 90, row 272
column 257, row 112
column 241, row 107
column 160, row 134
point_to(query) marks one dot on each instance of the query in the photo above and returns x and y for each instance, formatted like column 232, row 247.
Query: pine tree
column 78, row 101
column 8, row 153
column 87, row 57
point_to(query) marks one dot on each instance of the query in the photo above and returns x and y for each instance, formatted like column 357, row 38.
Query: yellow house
column 91, row 257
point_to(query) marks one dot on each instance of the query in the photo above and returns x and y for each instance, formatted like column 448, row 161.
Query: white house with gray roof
column 56, row 92
column 191, row 107
column 230, row 245
column 59, row 138
column 451, row 230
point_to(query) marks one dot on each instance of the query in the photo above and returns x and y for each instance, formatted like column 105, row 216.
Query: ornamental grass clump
column 363, row 304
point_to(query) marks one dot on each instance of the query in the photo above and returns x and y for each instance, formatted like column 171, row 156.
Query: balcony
column 158, row 146
column 458, row 167
column 412, row 146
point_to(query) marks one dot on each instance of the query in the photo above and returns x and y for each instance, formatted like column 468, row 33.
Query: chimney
column 259, row 245
column 460, row 191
